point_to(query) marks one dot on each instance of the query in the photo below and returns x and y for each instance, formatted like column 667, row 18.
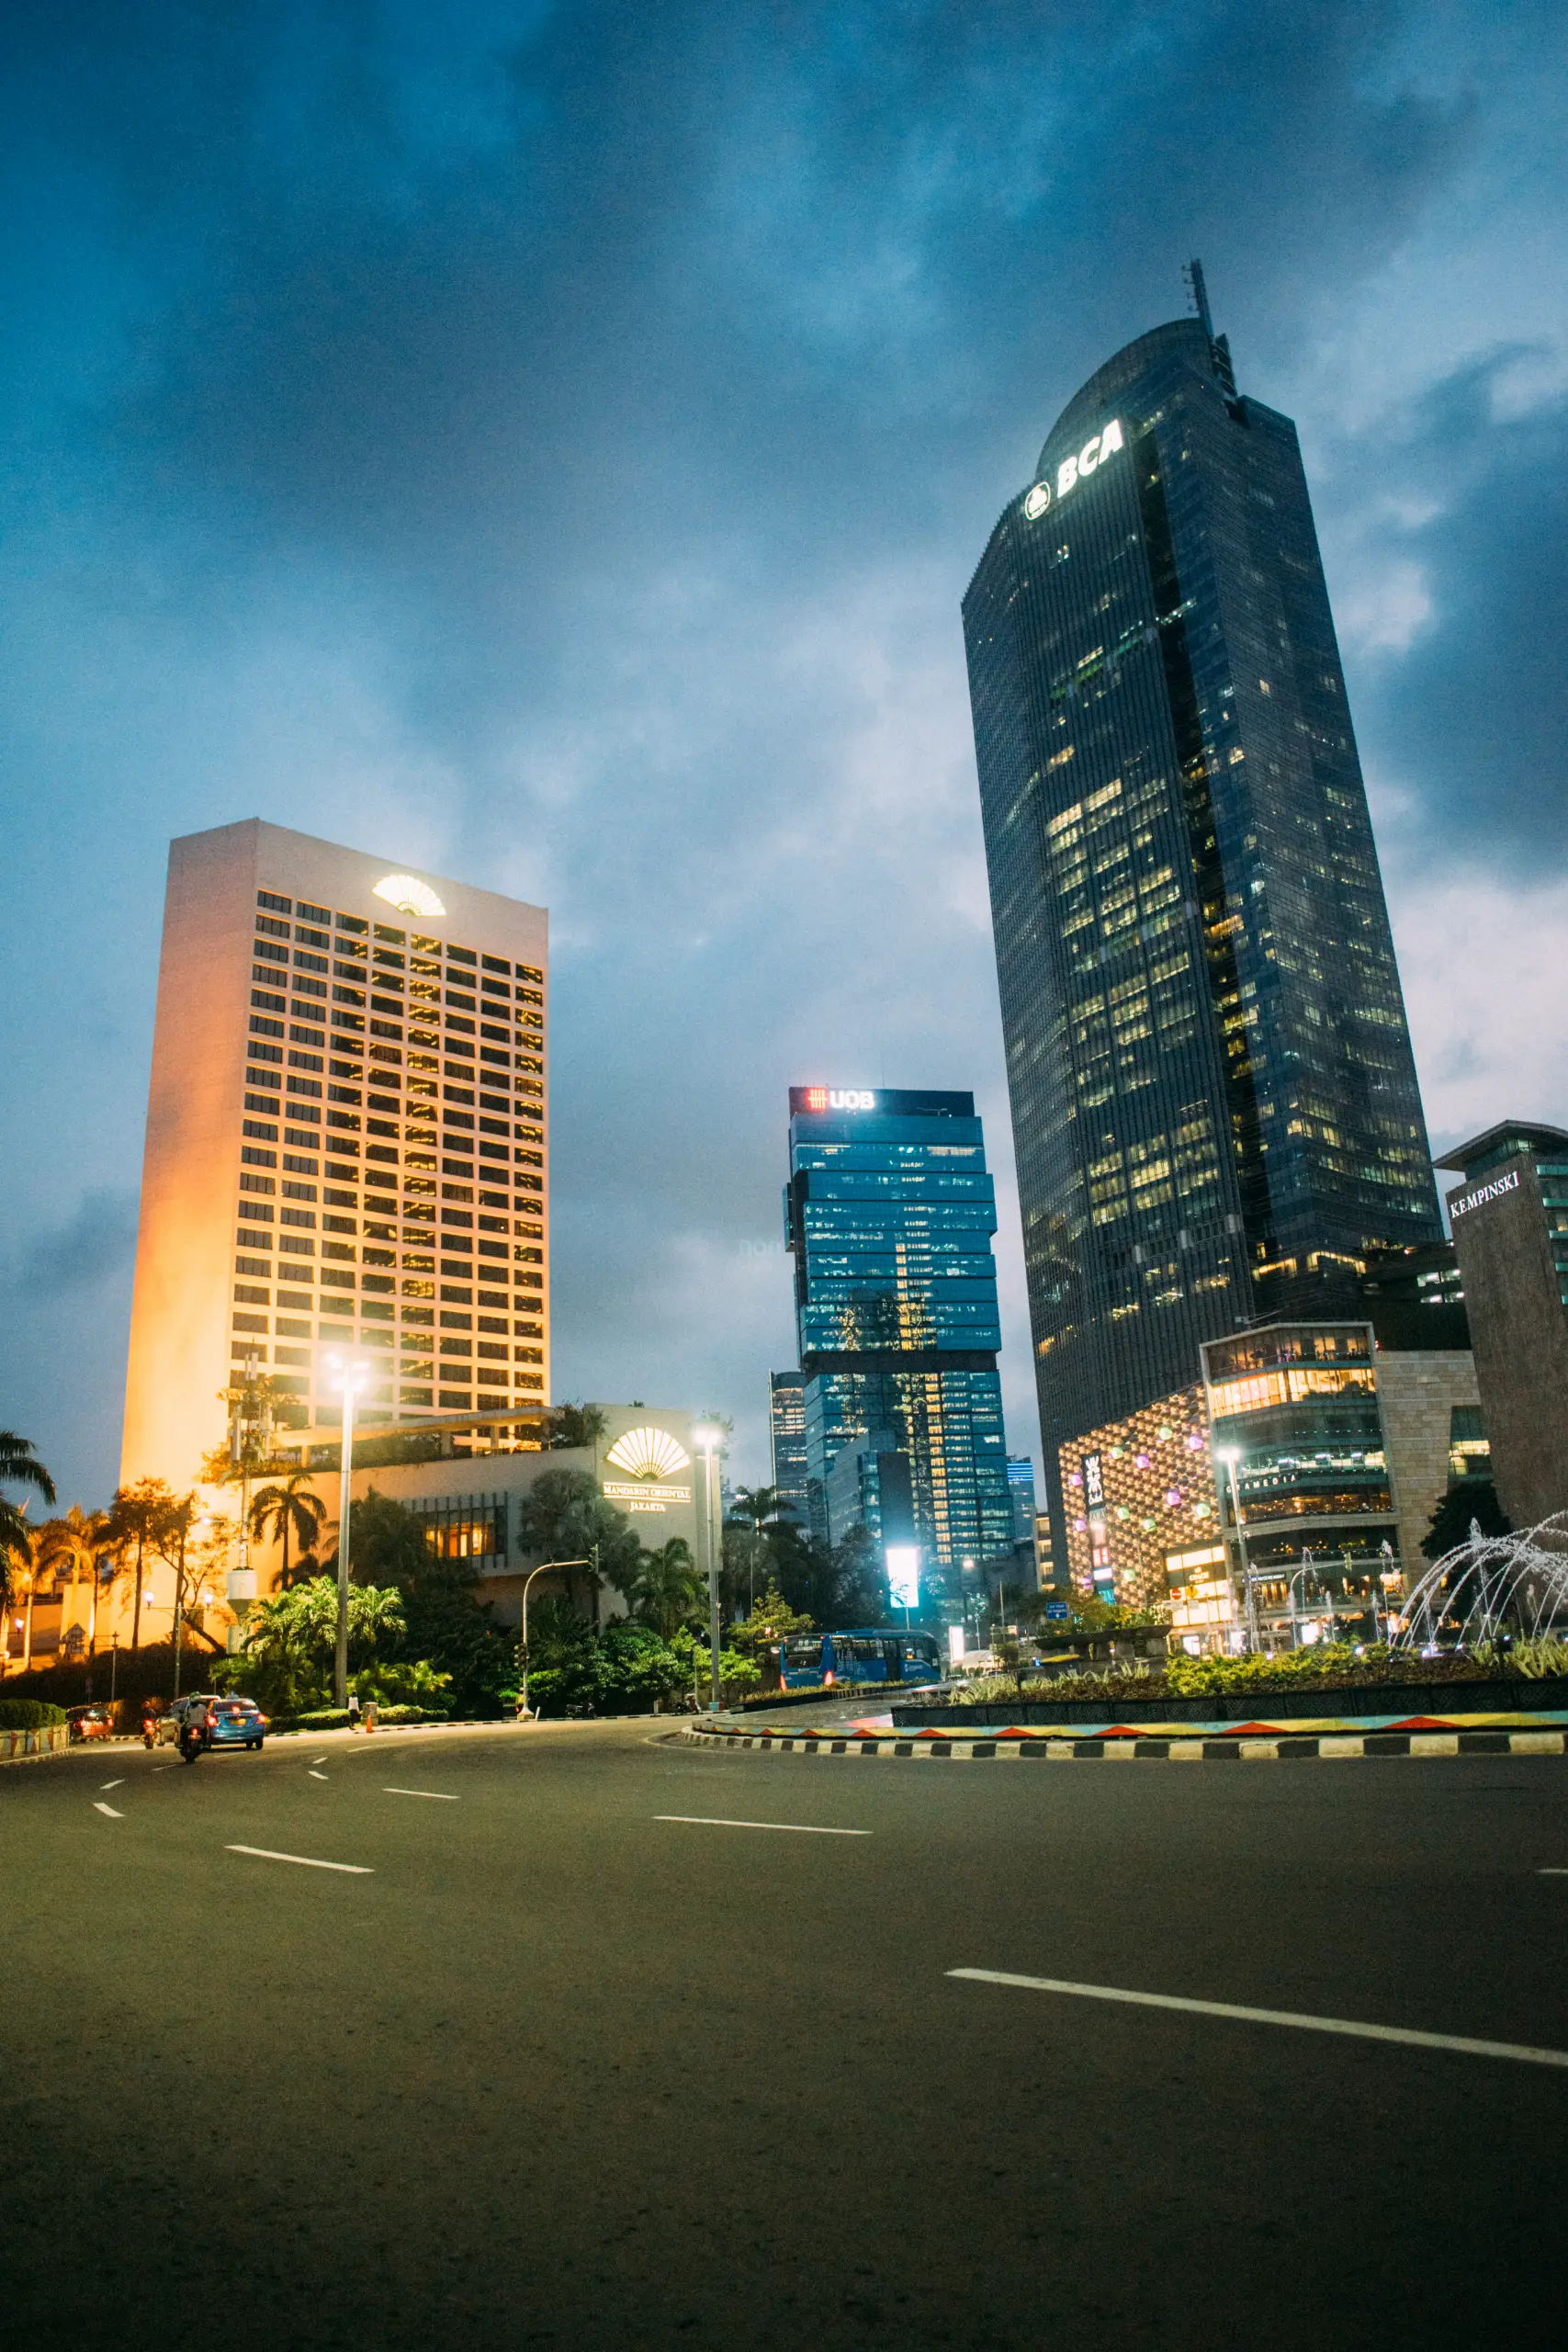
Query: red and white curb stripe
column 1285, row 1748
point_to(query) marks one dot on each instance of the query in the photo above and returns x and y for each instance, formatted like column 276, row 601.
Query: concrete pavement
column 593, row 2040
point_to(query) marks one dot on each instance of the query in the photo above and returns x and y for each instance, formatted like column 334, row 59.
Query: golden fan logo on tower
column 649, row 1453
column 649, row 1458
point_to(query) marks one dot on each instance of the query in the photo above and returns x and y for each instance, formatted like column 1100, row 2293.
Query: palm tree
column 754, row 1508
column 140, row 1515
column 666, row 1588
column 68, row 1550
column 278, row 1513
column 19, row 1466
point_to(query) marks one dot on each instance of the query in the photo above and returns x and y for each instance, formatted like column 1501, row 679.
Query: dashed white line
column 314, row 1774
column 111, row 1785
column 1466, row 2044
column 1553, row 1872
column 109, row 1810
column 306, row 1862
column 798, row 1828
column 440, row 1795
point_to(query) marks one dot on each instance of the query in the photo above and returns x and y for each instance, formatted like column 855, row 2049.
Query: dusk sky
column 548, row 446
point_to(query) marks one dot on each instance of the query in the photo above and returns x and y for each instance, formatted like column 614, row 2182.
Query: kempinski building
column 889, row 1212
column 1213, row 1095
column 345, row 1143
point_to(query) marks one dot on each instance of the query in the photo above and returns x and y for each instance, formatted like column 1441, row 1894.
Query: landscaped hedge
column 29, row 1715
column 339, row 1718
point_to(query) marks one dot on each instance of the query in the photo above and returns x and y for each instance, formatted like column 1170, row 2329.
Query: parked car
column 224, row 1720
column 90, row 1723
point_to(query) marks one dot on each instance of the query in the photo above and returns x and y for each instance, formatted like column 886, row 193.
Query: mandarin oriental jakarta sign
column 650, row 1458
column 1076, row 468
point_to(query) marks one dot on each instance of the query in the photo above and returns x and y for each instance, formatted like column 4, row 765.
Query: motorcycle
column 149, row 1731
column 193, row 1737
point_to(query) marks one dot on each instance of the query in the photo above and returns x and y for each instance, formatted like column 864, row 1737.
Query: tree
column 140, row 1515
column 1471, row 1498
column 667, row 1587
column 771, row 1621
column 443, row 1622
column 564, row 1516
column 753, row 1509
column 68, row 1549
column 291, row 1635
column 575, row 1425
column 293, row 1508
column 19, row 1466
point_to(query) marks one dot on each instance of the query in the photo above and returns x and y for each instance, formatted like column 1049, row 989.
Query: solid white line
column 315, row 1775
column 111, row 1785
column 1466, row 2044
column 108, row 1808
column 801, row 1828
column 306, row 1861
column 440, row 1795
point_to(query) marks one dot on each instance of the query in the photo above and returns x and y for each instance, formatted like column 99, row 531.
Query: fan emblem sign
column 651, row 1462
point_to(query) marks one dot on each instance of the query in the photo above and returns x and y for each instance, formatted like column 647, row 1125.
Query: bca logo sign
column 1071, row 471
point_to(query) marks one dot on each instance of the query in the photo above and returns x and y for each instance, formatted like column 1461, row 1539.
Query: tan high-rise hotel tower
column 345, row 1142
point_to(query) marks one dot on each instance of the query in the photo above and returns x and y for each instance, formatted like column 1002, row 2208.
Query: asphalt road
column 552, row 2071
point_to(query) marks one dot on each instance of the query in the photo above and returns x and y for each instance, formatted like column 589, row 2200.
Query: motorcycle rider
column 193, row 1729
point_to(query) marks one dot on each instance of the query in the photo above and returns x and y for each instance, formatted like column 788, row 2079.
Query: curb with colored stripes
column 1286, row 1749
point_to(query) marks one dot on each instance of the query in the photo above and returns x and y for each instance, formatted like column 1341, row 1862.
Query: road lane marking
column 800, row 1828
column 306, row 1862
column 318, row 1759
column 314, row 1774
column 99, row 1808
column 440, row 1795
column 111, row 1785
column 1468, row 2046
column 1553, row 1872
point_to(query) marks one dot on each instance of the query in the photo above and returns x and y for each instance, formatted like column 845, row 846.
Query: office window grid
column 406, row 1076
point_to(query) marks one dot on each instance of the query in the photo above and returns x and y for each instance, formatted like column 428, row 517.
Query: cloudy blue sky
column 547, row 445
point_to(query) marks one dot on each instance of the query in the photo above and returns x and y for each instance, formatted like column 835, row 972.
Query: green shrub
column 416, row 1685
column 29, row 1715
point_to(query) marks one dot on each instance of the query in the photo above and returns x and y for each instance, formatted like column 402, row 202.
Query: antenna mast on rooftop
column 1193, row 274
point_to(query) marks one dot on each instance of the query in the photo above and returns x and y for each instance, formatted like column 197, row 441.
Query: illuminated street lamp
column 707, row 1442
column 350, row 1380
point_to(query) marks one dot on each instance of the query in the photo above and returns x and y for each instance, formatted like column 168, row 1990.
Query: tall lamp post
column 707, row 1442
column 1231, row 1456
column 528, row 1581
column 349, row 1379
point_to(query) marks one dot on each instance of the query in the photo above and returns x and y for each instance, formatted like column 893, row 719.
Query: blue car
column 223, row 1720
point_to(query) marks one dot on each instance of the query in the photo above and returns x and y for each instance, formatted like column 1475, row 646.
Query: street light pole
column 349, row 1379
column 707, row 1441
column 526, row 1582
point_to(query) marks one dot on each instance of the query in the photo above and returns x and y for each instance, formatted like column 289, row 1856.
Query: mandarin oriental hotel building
column 345, row 1143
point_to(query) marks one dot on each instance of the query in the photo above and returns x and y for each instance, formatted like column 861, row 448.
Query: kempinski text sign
column 1462, row 1204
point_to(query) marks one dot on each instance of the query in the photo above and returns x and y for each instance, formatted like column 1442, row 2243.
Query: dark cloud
column 550, row 443
column 92, row 1251
column 1472, row 720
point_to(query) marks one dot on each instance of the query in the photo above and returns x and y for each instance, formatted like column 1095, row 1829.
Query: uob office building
column 1213, row 1096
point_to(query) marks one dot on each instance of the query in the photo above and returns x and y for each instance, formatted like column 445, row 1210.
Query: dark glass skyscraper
column 1213, row 1095
column 889, row 1212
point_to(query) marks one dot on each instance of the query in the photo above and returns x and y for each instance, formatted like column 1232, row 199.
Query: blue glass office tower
column 1213, row 1096
column 889, row 1212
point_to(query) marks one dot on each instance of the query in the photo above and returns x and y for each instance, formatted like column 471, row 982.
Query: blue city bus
column 863, row 1654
